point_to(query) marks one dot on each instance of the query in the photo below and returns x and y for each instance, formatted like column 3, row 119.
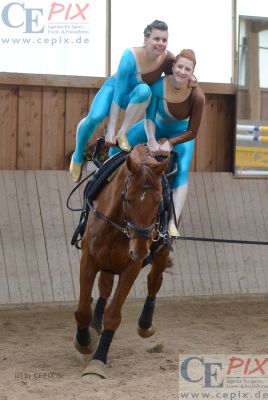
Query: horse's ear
column 131, row 165
column 160, row 168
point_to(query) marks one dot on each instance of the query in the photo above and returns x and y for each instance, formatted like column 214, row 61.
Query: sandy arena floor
column 37, row 359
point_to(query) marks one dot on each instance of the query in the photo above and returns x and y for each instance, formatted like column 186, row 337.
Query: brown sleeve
column 195, row 118
column 169, row 63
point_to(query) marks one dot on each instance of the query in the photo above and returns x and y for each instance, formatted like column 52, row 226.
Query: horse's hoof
column 89, row 349
column 95, row 371
column 145, row 333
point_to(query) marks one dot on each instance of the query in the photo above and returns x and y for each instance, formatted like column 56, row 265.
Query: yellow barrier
column 251, row 157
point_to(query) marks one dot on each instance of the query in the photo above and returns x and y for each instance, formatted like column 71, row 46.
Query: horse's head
column 142, row 197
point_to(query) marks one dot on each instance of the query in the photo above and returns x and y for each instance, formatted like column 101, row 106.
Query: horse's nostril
column 136, row 256
column 132, row 255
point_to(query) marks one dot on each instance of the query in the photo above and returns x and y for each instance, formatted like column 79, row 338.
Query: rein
column 204, row 239
column 144, row 232
column 74, row 189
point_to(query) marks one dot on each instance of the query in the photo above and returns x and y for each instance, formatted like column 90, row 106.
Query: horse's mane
column 142, row 155
column 145, row 162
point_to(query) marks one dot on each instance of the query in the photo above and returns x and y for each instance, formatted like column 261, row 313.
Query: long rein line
column 124, row 230
column 204, row 239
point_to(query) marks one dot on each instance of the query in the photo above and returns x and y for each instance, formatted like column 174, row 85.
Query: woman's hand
column 165, row 147
column 153, row 146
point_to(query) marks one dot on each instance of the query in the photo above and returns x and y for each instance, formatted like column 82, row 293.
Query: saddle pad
column 102, row 175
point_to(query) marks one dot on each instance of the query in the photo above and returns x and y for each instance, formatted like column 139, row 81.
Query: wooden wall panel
column 225, row 133
column 38, row 125
column 264, row 105
column 243, row 107
column 39, row 264
column 206, row 138
column 243, row 104
column 77, row 104
column 30, row 127
column 53, row 127
column 8, row 126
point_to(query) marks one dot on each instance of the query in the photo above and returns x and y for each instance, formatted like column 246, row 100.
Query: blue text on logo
column 30, row 17
column 210, row 371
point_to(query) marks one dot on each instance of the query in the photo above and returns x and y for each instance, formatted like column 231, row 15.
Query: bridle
column 139, row 231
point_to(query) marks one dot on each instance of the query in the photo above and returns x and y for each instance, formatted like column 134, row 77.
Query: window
column 205, row 26
column 70, row 37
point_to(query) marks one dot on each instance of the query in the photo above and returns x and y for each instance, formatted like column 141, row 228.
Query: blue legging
column 100, row 109
column 185, row 150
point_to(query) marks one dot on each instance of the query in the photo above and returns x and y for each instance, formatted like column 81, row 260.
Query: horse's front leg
column 85, row 339
column 154, row 282
column 112, row 319
column 105, row 285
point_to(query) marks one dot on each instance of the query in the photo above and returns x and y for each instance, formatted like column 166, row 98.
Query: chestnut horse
column 121, row 226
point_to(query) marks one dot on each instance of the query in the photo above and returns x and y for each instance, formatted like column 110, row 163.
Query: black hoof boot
column 85, row 340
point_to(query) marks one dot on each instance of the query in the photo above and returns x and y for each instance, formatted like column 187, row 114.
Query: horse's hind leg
column 154, row 283
column 105, row 285
column 85, row 338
